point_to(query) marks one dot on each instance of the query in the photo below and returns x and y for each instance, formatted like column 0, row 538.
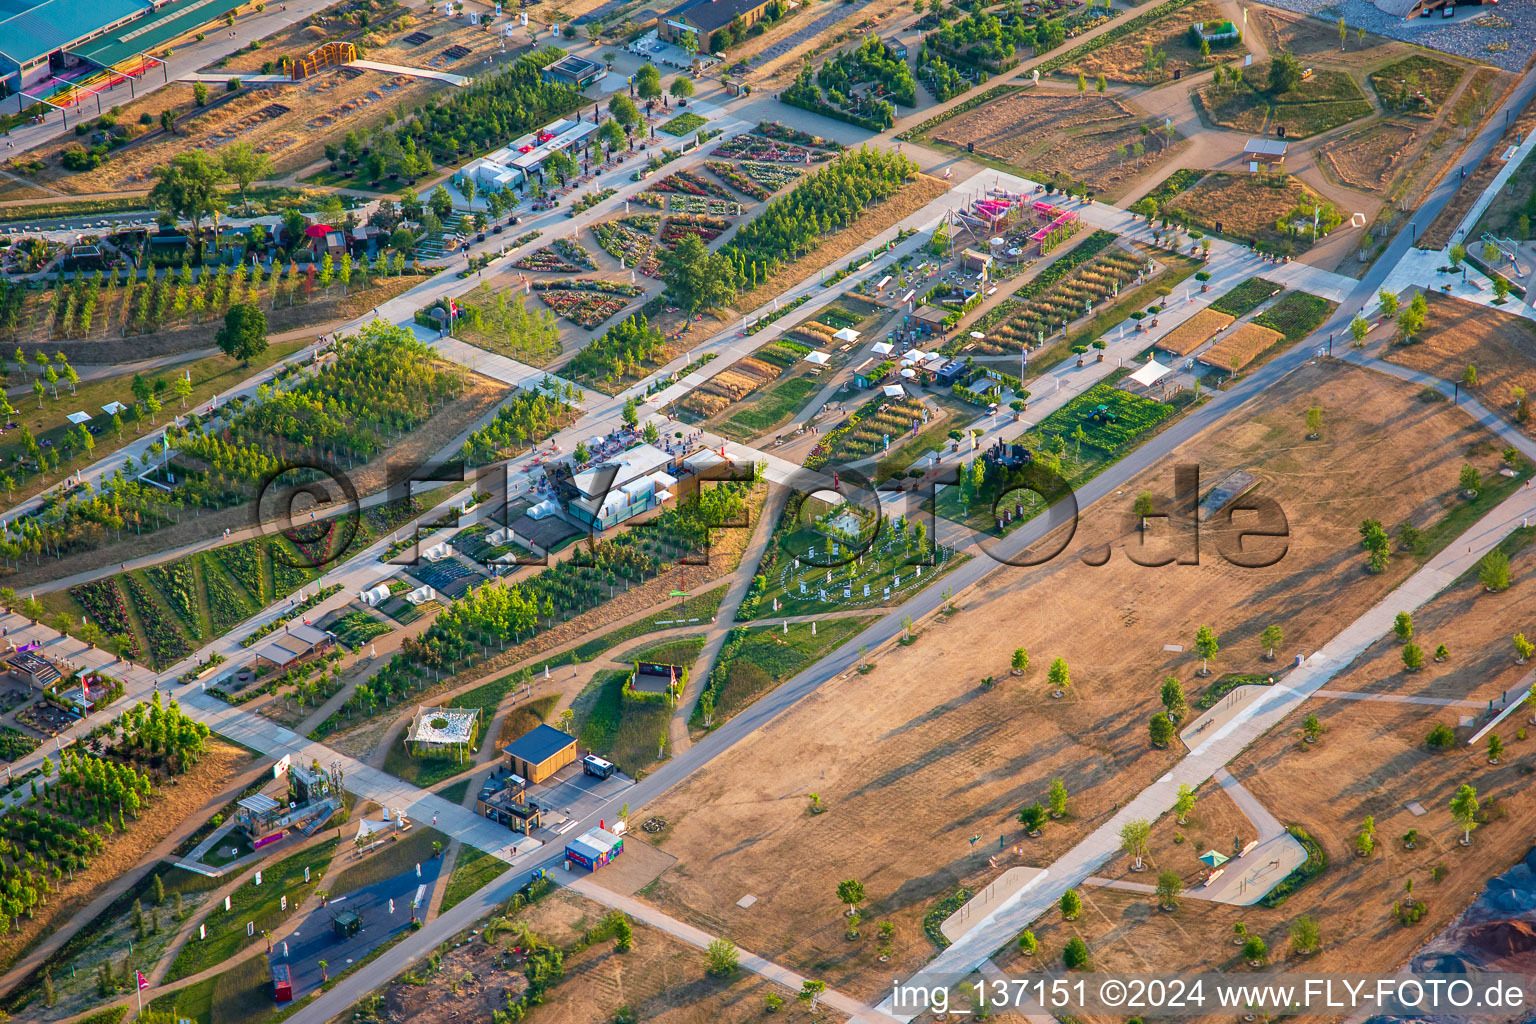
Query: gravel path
column 1468, row 34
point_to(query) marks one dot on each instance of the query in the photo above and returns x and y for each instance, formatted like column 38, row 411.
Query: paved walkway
column 402, row 69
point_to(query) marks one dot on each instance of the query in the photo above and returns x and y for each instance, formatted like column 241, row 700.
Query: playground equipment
column 1508, row 247
column 323, row 57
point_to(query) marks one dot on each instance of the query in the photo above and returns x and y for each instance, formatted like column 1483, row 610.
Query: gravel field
column 1469, row 34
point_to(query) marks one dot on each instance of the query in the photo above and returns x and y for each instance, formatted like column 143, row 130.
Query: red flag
column 143, row 981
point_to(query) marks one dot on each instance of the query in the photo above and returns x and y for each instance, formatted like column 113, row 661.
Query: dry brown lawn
column 1312, row 37
column 1122, row 61
column 290, row 123
column 918, row 756
column 1460, row 334
column 660, row 979
column 908, row 201
column 1241, row 347
column 1194, row 332
column 1371, row 760
column 1244, row 205
column 1043, row 134
column 1371, row 158
column 177, row 800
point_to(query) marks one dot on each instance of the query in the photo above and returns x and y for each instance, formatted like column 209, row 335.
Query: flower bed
column 707, row 228
column 571, row 250
column 650, row 197
column 588, row 201
column 585, row 309
column 103, row 602
column 751, row 147
column 734, row 178
column 243, row 562
column 645, row 223
column 784, row 133
column 547, row 260
column 703, row 204
column 690, row 184
column 682, row 124
column 769, row 176
column 623, row 242
column 178, row 586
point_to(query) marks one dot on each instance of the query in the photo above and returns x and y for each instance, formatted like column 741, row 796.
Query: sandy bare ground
column 920, row 755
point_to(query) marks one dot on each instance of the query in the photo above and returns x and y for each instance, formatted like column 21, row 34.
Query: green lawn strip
column 1174, row 185
column 395, row 857
column 681, row 651
column 756, row 659
column 260, row 905
column 700, row 606
column 194, row 1003
column 630, row 733
column 455, row 792
column 473, row 869
column 1137, row 420
column 775, row 405
column 1247, row 296
column 1463, row 512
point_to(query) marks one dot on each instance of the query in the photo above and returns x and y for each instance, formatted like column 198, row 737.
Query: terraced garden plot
column 1065, row 299
column 1091, row 139
column 873, row 422
column 1194, row 332
column 1124, row 60
column 1241, row 347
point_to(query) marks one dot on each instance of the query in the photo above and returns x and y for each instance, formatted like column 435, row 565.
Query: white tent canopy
column 79, row 417
column 847, row 334
column 894, row 391
column 882, row 348
column 112, row 408
column 819, row 358
column 1151, row 373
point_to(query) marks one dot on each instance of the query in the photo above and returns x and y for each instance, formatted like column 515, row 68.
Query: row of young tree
column 623, row 351
column 527, row 418
column 382, row 384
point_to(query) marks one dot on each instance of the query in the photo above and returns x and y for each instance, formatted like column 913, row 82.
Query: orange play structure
column 327, row 55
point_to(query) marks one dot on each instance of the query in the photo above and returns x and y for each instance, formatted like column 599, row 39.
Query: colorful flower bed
column 734, row 178
column 651, row 198
column 751, row 147
column 572, row 251
column 770, row 176
column 702, row 204
column 625, row 243
column 682, row 125
column 645, row 223
column 586, row 302
column 547, row 261
column 707, row 228
column 690, row 184
column 103, row 602
column 784, row 133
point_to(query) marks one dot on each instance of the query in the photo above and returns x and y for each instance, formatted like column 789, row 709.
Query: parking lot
column 572, row 794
